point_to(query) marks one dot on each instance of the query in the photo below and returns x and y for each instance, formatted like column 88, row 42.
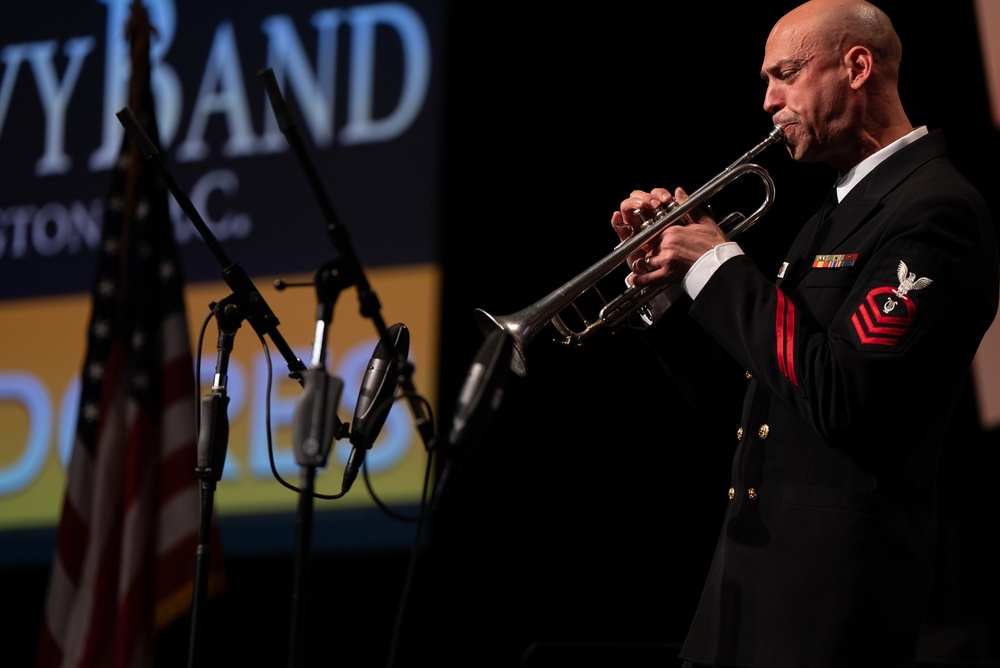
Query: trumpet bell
column 520, row 332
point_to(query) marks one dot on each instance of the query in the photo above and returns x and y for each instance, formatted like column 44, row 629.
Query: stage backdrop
column 363, row 82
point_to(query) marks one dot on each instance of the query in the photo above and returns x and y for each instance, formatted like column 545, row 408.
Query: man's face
column 807, row 91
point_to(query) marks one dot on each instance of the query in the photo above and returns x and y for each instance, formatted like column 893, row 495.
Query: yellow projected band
column 43, row 348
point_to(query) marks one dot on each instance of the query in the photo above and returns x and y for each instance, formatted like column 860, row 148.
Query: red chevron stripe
column 877, row 340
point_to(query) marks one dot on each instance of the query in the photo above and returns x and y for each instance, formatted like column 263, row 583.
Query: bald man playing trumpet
column 848, row 359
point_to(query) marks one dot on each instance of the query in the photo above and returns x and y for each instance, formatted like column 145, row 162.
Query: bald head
column 841, row 24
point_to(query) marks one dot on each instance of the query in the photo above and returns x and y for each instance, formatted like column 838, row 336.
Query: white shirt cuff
column 693, row 282
column 703, row 268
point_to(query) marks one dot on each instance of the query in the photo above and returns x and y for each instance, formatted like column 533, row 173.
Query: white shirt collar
column 863, row 168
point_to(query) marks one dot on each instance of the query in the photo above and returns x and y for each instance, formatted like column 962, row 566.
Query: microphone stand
column 213, row 440
column 247, row 303
column 313, row 436
column 354, row 272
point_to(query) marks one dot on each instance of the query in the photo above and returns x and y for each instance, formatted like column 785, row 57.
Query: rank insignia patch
column 887, row 313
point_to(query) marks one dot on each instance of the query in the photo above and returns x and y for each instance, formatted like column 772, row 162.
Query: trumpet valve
column 650, row 216
column 645, row 215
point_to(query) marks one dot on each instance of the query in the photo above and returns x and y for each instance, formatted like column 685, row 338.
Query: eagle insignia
column 909, row 281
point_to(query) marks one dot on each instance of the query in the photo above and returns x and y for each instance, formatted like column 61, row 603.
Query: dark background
column 583, row 522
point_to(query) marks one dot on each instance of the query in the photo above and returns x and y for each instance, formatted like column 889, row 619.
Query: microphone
column 482, row 391
column 378, row 390
column 478, row 402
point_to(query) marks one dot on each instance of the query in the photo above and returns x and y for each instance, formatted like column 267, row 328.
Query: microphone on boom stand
column 378, row 391
column 478, row 402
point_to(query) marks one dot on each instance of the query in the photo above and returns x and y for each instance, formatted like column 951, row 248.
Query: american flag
column 127, row 540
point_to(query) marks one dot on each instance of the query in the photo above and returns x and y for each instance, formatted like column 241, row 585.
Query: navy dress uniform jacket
column 850, row 366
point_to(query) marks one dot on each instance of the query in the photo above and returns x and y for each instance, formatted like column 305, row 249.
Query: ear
column 860, row 62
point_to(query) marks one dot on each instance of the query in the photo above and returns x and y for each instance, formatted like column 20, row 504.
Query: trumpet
column 525, row 324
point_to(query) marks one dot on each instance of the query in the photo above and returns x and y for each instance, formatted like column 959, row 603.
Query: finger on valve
column 624, row 230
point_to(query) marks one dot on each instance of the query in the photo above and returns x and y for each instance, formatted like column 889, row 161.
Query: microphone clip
column 316, row 425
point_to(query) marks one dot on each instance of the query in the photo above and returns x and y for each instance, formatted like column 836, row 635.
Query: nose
column 772, row 100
